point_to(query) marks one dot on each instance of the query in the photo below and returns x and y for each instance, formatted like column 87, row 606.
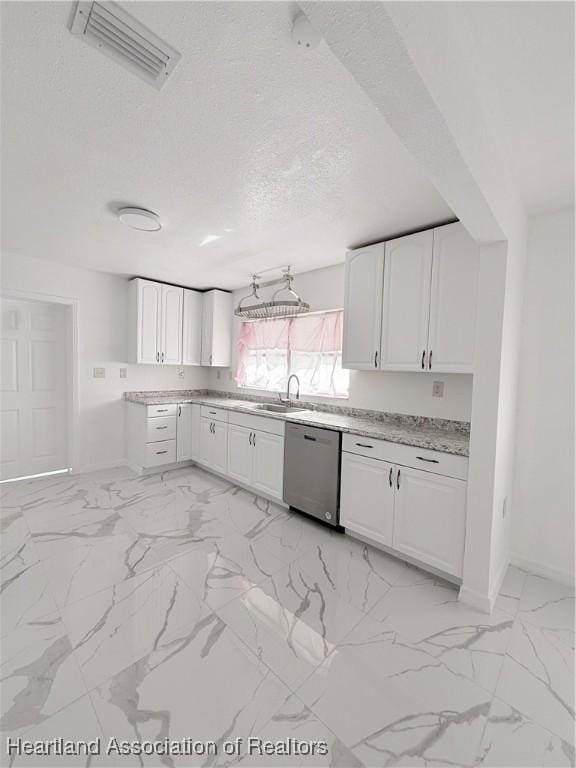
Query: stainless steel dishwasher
column 312, row 471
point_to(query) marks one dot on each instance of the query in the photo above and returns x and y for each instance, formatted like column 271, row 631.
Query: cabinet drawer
column 161, row 410
column 216, row 414
column 163, row 452
column 421, row 458
column 160, row 428
column 257, row 423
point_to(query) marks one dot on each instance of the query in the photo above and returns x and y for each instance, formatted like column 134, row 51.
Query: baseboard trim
column 540, row 569
column 478, row 600
column 98, row 467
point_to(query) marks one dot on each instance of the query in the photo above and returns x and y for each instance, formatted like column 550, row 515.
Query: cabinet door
column 220, row 447
column 363, row 308
column 453, row 300
column 184, row 432
column 429, row 518
column 367, row 497
column 206, row 442
column 268, row 468
column 192, row 328
column 240, row 454
column 149, row 323
column 207, row 327
column 406, row 302
column 171, row 348
column 195, row 423
column 217, row 328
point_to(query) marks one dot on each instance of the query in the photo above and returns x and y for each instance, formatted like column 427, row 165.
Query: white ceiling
column 522, row 56
column 252, row 135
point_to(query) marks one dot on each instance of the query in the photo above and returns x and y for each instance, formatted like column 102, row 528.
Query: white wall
column 102, row 342
column 543, row 495
column 409, row 393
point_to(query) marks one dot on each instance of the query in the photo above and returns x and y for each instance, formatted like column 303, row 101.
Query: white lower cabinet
column 367, row 497
column 430, row 518
column 187, row 432
column 214, row 444
column 268, row 464
column 418, row 513
column 240, row 458
column 256, row 458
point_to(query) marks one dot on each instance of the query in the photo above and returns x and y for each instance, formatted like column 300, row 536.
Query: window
column 309, row 346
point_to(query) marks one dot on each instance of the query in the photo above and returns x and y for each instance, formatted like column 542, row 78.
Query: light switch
column 438, row 389
column 123, row 373
column 99, row 373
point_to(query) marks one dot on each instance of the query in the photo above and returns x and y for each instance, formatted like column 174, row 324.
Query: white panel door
column 220, row 447
column 367, row 497
column 453, row 301
column 363, row 308
column 207, row 327
column 429, row 518
column 217, row 328
column 171, row 348
column 406, row 302
column 240, row 454
column 183, row 432
column 195, row 431
column 268, row 469
column 149, row 322
column 34, row 412
column 192, row 328
column 206, row 442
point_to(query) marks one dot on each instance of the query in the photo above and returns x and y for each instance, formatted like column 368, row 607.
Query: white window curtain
column 309, row 346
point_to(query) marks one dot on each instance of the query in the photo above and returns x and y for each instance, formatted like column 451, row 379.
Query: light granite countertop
column 434, row 434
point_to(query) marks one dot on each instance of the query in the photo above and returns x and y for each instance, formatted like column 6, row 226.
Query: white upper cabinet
column 171, row 345
column 363, row 308
column 453, row 300
column 410, row 303
column 406, row 302
column 217, row 329
column 146, row 303
column 192, row 328
column 158, row 312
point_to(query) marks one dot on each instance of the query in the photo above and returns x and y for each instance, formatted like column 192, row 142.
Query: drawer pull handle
column 212, row 413
column 162, row 410
column 390, row 477
column 364, row 445
column 159, row 453
column 430, row 461
column 164, row 427
column 309, row 437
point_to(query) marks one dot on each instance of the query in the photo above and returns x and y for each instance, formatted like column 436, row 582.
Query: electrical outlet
column 99, row 373
column 181, row 373
column 123, row 373
column 505, row 506
column 438, row 389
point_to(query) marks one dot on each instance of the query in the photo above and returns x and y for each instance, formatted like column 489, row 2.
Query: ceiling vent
column 121, row 37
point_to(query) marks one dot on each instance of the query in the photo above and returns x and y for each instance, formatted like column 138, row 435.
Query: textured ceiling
column 275, row 149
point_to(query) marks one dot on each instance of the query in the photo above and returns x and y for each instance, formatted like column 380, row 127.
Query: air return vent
column 117, row 34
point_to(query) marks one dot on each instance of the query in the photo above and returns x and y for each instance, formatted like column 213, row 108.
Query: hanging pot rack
column 277, row 306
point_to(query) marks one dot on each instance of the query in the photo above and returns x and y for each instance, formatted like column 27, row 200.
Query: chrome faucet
column 288, row 400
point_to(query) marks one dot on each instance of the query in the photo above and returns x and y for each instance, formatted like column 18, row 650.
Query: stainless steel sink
column 273, row 408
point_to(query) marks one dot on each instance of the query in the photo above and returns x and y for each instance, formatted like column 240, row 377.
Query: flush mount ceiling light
column 140, row 218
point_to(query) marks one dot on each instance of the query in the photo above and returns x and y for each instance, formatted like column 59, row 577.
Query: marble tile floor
column 176, row 606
